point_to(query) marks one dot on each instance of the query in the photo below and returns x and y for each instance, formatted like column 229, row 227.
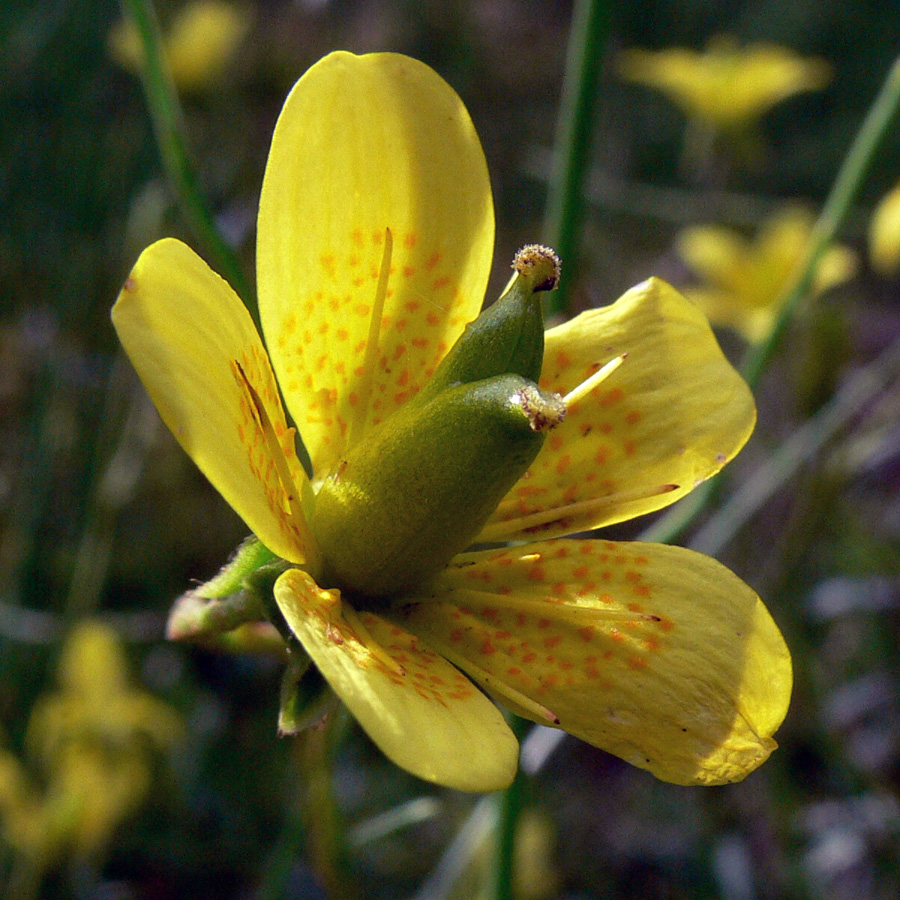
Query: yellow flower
column 203, row 38
column 654, row 653
column 89, row 743
column 96, row 700
column 884, row 234
column 725, row 86
column 745, row 278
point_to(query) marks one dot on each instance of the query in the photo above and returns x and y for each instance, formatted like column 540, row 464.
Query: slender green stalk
column 168, row 124
column 588, row 35
column 326, row 835
column 857, row 393
column 509, row 804
column 587, row 40
column 845, row 188
column 843, row 192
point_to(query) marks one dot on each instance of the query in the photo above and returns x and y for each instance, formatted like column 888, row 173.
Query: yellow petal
column 657, row 654
column 203, row 39
column 423, row 713
column 366, row 144
column 93, row 663
column 669, row 417
column 726, row 86
column 837, row 265
column 716, row 254
column 884, row 234
column 747, row 280
column 189, row 337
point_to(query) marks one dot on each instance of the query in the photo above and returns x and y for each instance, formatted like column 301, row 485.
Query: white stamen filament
column 592, row 381
column 571, row 611
column 499, row 530
column 492, row 683
column 281, row 465
column 364, row 636
column 367, row 381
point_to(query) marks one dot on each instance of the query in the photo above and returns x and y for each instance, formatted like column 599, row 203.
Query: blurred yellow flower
column 88, row 745
column 744, row 278
column 884, row 234
column 657, row 654
column 202, row 39
column 726, row 86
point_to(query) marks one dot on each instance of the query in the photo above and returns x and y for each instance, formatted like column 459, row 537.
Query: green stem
column 859, row 390
column 168, row 124
column 509, row 809
column 588, row 35
column 326, row 836
column 587, row 40
column 834, row 212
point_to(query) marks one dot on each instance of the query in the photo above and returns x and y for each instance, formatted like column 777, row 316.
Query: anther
column 367, row 380
column 264, row 423
column 539, row 265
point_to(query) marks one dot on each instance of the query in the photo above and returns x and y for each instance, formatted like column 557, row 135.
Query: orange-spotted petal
column 421, row 711
column 654, row 653
column 194, row 346
column 367, row 144
column 669, row 416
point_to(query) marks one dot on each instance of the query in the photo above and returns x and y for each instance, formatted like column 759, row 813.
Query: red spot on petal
column 613, row 396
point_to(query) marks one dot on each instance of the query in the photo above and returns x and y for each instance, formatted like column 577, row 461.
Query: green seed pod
column 418, row 489
column 508, row 337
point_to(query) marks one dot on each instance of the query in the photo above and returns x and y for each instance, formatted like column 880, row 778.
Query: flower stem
column 509, row 808
column 837, row 205
column 857, row 393
column 326, row 837
column 588, row 34
column 587, row 40
column 845, row 188
column 168, row 124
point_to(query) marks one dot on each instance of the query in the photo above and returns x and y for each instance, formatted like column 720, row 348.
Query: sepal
column 306, row 697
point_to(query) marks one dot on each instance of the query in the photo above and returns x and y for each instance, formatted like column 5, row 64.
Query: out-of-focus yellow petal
column 202, row 40
column 884, row 234
column 837, row 265
column 746, row 280
column 92, row 663
column 23, row 823
column 726, row 85
column 716, row 254
column 423, row 713
column 96, row 701
column 669, row 417
column 365, row 144
column 190, row 338
column 91, row 791
column 727, row 309
column 657, row 654
column 198, row 45
column 124, row 45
